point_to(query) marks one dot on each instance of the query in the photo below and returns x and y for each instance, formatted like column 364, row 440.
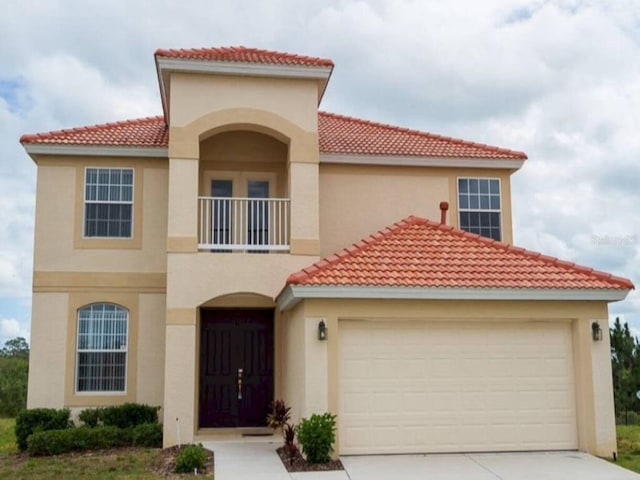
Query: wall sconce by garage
column 596, row 332
column 322, row 331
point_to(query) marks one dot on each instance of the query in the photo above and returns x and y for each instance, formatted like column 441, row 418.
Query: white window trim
column 479, row 210
column 126, row 356
column 114, row 202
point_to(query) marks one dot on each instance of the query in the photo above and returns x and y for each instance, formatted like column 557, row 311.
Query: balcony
column 252, row 225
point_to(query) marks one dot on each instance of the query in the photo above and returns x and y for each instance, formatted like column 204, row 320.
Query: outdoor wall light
column 596, row 332
column 322, row 331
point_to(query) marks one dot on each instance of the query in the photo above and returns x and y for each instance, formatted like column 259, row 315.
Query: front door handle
column 239, row 384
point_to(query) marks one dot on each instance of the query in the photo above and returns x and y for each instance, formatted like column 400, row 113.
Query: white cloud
column 11, row 328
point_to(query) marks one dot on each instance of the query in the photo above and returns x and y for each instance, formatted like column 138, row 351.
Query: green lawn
column 629, row 447
column 129, row 464
column 7, row 438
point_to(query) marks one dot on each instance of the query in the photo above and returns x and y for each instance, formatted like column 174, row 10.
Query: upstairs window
column 101, row 362
column 108, row 202
column 479, row 206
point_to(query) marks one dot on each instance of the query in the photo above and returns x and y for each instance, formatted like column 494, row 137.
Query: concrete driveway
column 489, row 466
column 259, row 461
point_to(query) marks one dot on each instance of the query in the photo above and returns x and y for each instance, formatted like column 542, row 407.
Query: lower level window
column 101, row 364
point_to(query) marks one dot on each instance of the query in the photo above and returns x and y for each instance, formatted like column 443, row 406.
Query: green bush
column 55, row 442
column 147, row 435
column 14, row 372
column 129, row 415
column 316, row 436
column 39, row 420
column 192, row 457
column 91, row 417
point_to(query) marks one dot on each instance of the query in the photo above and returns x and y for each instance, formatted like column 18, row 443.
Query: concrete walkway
column 259, row 461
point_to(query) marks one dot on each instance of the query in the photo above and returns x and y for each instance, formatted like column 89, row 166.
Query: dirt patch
column 297, row 463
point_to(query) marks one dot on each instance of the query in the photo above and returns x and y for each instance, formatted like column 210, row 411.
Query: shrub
column 316, row 436
column 55, row 442
column 39, row 420
column 289, row 435
column 129, row 415
column 290, row 447
column 14, row 372
column 91, row 417
column 147, row 435
column 192, row 457
column 279, row 415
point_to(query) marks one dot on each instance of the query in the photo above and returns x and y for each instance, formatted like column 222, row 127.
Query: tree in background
column 17, row 347
column 625, row 366
column 14, row 372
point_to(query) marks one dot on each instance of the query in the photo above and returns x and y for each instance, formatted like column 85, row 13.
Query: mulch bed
column 166, row 467
column 297, row 463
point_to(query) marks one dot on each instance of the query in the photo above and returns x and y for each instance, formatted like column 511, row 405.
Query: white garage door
column 410, row 387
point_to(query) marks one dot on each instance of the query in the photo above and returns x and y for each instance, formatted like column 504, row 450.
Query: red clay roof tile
column 420, row 253
column 244, row 55
column 338, row 135
column 141, row 132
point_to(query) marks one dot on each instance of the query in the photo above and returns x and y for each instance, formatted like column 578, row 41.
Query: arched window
column 101, row 356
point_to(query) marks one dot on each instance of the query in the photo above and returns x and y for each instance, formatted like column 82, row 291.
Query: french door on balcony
column 257, row 212
column 221, row 190
column 245, row 219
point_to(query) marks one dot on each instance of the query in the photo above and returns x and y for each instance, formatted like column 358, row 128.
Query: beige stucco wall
column 358, row 200
column 53, row 347
column 293, row 366
column 180, row 387
column 150, row 352
column 238, row 128
column 59, row 246
column 594, row 397
column 193, row 279
column 71, row 271
column 48, row 344
column 193, row 96
column 605, row 436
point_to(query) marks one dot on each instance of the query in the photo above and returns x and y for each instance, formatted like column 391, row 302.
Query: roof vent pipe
column 444, row 206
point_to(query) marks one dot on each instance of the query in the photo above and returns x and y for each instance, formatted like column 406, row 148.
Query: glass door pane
column 221, row 190
column 258, row 212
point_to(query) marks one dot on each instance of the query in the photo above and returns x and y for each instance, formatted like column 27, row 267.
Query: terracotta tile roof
column 142, row 132
column 346, row 135
column 244, row 55
column 420, row 253
column 338, row 135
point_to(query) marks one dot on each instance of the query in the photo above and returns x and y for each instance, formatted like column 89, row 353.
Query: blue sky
column 559, row 79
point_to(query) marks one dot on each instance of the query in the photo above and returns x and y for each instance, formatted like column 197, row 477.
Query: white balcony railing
column 243, row 224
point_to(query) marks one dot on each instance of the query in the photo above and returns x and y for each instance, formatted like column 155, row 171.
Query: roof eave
column 512, row 164
column 293, row 294
column 165, row 65
column 94, row 150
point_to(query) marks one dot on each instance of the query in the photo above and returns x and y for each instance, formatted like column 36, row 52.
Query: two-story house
column 244, row 246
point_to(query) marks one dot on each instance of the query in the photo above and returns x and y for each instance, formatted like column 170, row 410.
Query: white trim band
column 422, row 161
column 95, row 150
column 240, row 68
column 292, row 294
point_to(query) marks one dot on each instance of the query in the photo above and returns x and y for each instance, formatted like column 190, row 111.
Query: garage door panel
column 435, row 387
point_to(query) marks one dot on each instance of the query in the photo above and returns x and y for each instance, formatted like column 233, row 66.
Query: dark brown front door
column 236, row 367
